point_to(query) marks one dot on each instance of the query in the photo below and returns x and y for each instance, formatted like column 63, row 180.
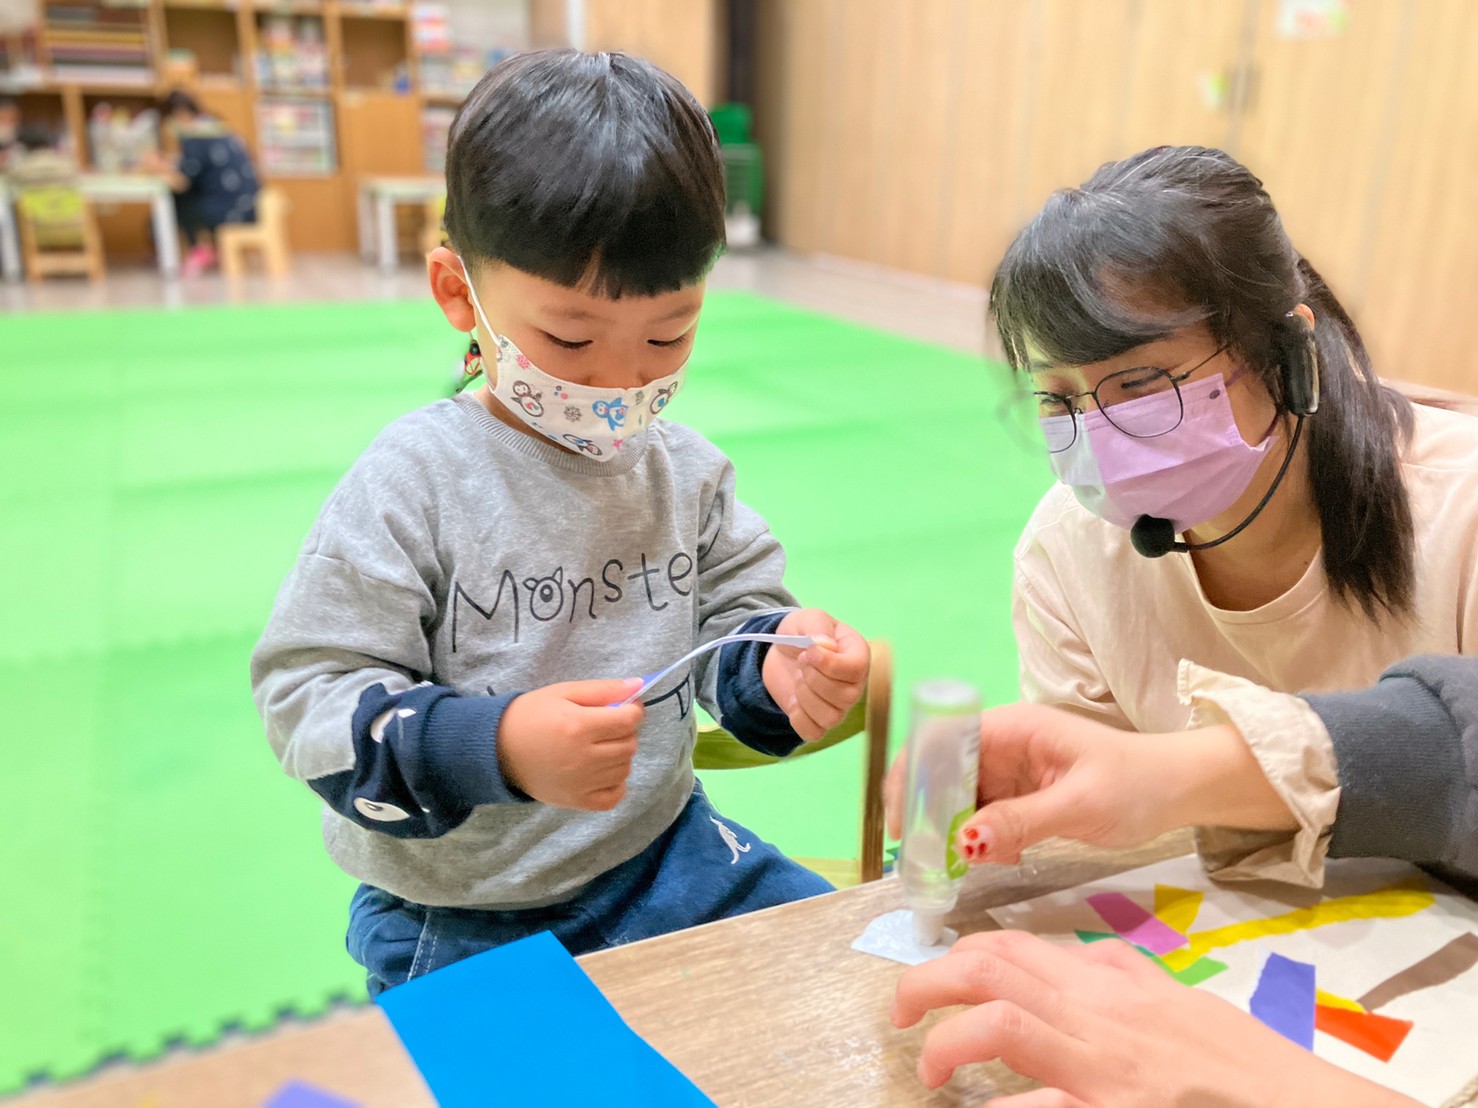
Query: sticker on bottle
column 954, row 865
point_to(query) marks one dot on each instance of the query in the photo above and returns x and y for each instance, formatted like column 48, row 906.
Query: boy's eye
column 672, row 342
column 565, row 343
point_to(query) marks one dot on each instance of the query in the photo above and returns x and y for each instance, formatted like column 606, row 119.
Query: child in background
column 438, row 665
column 214, row 181
column 10, row 129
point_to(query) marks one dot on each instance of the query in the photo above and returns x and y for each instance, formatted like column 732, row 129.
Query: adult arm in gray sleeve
column 1407, row 752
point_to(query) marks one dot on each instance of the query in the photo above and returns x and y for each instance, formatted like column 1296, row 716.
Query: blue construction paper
column 295, row 1094
column 1284, row 999
column 523, row 1025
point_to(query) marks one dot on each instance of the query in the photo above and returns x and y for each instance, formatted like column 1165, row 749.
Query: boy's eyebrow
column 580, row 315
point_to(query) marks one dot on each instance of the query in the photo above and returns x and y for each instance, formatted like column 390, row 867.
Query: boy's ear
column 449, row 286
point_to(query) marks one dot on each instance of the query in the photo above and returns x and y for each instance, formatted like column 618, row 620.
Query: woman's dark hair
column 1180, row 235
column 179, row 101
column 590, row 170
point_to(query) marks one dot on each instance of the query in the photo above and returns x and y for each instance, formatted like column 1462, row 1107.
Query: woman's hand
column 1101, row 1026
column 1047, row 773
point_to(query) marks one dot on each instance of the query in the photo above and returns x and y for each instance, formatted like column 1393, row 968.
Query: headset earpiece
column 1300, row 357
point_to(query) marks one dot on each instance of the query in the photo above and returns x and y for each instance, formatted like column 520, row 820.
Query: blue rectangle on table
column 523, row 1025
column 1284, row 999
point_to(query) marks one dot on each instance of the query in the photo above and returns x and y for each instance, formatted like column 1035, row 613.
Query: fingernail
column 987, row 842
column 972, row 834
column 794, row 703
column 970, row 850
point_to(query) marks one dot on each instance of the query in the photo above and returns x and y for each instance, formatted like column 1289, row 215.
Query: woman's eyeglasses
column 1058, row 415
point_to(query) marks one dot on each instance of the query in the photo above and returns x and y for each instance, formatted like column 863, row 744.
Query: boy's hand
column 816, row 687
column 564, row 746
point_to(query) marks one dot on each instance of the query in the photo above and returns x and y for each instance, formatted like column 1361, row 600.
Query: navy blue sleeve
column 423, row 759
column 747, row 709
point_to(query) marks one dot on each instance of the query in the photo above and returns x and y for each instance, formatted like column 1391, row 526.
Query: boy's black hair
column 597, row 171
column 179, row 101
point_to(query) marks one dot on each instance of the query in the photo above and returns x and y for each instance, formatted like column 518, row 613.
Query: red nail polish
column 969, row 850
column 971, row 834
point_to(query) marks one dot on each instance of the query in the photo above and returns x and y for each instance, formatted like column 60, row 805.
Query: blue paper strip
column 1284, row 999
column 523, row 1025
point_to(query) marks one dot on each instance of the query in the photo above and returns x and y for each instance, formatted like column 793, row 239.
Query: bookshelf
column 322, row 91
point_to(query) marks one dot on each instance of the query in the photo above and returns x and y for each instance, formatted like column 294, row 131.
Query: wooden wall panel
column 1320, row 113
column 682, row 36
column 1078, row 91
column 923, row 70
column 922, row 134
column 1178, row 54
column 983, row 199
column 1416, row 301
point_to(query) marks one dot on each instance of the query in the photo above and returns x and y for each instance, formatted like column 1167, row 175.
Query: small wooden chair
column 268, row 234
column 432, row 235
column 59, row 233
column 717, row 749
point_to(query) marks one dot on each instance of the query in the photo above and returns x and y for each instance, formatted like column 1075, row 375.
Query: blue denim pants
column 702, row 868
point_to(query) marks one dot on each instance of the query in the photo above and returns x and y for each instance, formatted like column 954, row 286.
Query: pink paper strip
column 1134, row 924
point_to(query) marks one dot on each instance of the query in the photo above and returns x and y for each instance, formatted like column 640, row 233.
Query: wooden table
column 105, row 188
column 378, row 197
column 772, row 1010
column 141, row 188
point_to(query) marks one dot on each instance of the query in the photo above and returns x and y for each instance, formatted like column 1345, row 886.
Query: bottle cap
column 928, row 928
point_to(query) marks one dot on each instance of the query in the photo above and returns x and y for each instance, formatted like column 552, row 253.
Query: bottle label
column 954, row 865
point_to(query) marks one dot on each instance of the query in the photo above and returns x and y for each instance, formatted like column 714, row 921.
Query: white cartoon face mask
column 596, row 422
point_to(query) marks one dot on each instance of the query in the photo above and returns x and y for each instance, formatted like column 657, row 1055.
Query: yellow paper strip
column 1177, row 908
column 1405, row 898
column 1329, row 1000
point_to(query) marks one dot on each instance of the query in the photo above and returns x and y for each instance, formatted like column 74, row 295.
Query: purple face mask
column 1188, row 475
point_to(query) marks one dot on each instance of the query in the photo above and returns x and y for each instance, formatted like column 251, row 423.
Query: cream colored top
column 1103, row 631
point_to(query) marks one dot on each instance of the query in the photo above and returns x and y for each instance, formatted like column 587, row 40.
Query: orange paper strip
column 1379, row 1036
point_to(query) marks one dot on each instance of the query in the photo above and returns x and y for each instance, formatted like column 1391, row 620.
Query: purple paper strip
column 1136, row 925
column 297, row 1094
column 1284, row 999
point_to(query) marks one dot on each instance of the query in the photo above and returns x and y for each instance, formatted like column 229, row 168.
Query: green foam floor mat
column 166, row 879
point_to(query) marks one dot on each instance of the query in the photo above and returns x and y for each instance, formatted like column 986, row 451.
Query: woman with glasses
column 1236, row 487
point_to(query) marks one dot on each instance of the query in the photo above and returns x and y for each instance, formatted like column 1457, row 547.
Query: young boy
column 438, row 663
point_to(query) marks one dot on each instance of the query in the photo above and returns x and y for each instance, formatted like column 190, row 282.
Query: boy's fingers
column 839, row 694
column 601, row 725
column 846, row 660
column 823, row 715
column 599, row 694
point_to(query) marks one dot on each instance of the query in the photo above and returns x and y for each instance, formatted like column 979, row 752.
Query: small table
column 770, row 1010
column 10, row 247
column 141, row 188
column 378, row 197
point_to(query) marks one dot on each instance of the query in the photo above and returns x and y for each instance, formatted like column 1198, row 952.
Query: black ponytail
column 1355, row 442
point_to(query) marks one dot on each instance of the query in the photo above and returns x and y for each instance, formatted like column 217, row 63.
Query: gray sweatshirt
column 460, row 563
column 1407, row 752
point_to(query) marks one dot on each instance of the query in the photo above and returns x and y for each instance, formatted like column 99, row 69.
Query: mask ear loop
column 473, row 363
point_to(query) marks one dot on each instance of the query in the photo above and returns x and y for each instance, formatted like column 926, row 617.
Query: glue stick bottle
column 943, row 767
